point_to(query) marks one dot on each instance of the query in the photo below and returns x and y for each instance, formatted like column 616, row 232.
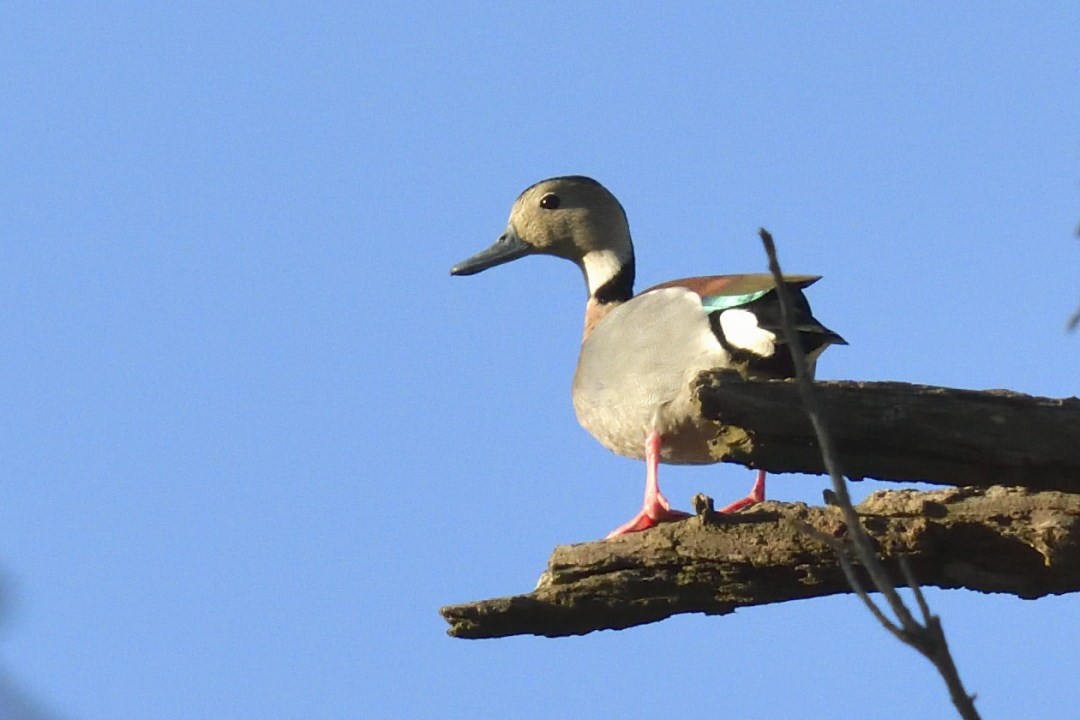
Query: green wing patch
column 716, row 303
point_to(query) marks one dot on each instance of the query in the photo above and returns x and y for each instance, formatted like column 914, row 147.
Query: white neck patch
column 600, row 267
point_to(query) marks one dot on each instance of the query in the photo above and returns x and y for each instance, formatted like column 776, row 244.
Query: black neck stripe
column 619, row 288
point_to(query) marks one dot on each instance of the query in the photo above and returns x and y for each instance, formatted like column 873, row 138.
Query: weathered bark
column 1016, row 540
column 1007, row 540
column 900, row 432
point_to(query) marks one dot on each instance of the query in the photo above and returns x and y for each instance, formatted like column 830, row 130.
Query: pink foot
column 647, row 518
column 655, row 509
column 757, row 494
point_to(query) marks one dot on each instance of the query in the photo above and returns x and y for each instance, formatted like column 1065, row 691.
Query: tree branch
column 899, row 432
column 1006, row 540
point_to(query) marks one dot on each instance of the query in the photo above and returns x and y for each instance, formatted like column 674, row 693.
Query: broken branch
column 899, row 432
column 1002, row 540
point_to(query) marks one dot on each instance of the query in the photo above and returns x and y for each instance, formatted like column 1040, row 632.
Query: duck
column 633, row 389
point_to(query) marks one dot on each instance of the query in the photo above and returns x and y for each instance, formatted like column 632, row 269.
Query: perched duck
column 640, row 354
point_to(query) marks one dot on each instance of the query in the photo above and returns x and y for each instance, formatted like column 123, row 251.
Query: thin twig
column 916, row 589
column 864, row 550
column 849, row 574
column 1074, row 319
column 928, row 638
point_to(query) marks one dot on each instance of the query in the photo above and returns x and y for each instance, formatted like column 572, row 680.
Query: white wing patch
column 741, row 330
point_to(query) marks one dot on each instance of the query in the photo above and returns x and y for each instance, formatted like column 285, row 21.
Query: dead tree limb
column 1003, row 540
column 899, row 432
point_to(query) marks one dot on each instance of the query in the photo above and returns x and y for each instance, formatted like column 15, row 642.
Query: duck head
column 571, row 217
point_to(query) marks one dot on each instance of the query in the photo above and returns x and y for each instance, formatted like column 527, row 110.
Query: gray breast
column 635, row 372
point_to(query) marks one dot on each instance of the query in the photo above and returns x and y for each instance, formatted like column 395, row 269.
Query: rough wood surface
column 1007, row 540
column 900, row 432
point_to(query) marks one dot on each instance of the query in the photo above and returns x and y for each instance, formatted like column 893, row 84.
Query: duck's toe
column 647, row 518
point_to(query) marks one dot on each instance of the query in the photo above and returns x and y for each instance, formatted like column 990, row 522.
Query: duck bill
column 508, row 247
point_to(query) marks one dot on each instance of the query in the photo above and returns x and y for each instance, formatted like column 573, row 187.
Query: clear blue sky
column 254, row 434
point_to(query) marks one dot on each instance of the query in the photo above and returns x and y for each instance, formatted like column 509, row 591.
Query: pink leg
column 757, row 494
column 656, row 508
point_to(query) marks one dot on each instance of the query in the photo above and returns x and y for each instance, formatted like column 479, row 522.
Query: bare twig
column 928, row 638
column 850, row 574
column 1074, row 319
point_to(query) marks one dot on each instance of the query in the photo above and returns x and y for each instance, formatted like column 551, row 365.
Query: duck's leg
column 656, row 508
column 757, row 494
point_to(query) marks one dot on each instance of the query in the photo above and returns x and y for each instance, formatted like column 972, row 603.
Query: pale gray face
column 567, row 217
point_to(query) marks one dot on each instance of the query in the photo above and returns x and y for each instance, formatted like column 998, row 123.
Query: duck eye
column 549, row 201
